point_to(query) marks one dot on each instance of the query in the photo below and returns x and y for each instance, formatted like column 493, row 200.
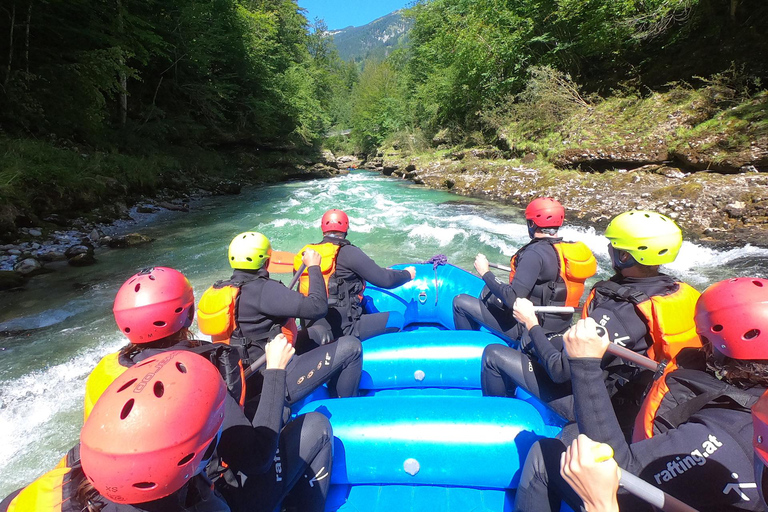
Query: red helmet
column 545, row 212
column 153, row 304
column 154, row 428
column 733, row 316
column 334, row 220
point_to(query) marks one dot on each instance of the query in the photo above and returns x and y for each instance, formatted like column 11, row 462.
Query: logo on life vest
column 678, row 466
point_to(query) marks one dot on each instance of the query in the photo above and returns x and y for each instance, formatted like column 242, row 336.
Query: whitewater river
column 62, row 322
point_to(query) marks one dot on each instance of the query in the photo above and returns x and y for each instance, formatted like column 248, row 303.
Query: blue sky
column 343, row 13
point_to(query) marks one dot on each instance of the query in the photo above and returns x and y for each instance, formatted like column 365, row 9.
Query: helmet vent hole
column 127, row 330
column 751, row 334
column 248, row 259
column 181, row 367
column 159, row 323
column 758, row 283
column 137, row 287
column 151, row 277
column 663, row 252
column 178, row 310
column 145, row 362
column 642, row 248
column 186, row 459
column 145, row 485
column 126, row 409
column 159, row 389
column 717, row 328
column 126, row 385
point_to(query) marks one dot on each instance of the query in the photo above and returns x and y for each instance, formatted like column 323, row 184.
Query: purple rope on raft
column 436, row 261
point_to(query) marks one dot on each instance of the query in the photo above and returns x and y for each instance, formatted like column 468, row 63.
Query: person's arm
column 596, row 481
column 354, row 259
column 529, row 266
column 277, row 300
column 551, row 357
column 251, row 446
column 592, row 405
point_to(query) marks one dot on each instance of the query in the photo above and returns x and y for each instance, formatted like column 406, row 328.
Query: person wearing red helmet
column 346, row 270
column 154, row 309
column 700, row 450
column 534, row 275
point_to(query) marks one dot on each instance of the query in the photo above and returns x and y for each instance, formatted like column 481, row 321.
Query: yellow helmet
column 249, row 251
column 651, row 238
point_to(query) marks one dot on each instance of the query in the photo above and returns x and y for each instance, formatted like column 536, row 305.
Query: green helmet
column 249, row 251
column 651, row 238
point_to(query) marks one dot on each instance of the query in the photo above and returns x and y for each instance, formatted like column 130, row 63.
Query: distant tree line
column 137, row 74
column 469, row 57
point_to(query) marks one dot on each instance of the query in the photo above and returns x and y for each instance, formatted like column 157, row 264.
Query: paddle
column 261, row 361
column 643, row 489
column 280, row 262
column 500, row 267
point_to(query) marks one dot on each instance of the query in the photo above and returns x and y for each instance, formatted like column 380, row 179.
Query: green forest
column 112, row 98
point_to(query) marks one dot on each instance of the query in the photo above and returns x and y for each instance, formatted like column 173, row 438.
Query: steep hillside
column 377, row 39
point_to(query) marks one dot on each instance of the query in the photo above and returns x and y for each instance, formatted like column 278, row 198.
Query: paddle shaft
column 500, row 267
column 253, row 368
column 651, row 494
column 626, row 354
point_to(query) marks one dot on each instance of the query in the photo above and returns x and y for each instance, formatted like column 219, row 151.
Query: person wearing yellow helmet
column 639, row 308
column 250, row 308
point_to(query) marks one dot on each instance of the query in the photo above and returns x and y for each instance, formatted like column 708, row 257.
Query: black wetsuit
column 264, row 303
column 353, row 269
column 542, row 368
column 536, row 270
column 706, row 462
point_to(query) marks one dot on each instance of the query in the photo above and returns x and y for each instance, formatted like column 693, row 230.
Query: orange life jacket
column 669, row 319
column 576, row 265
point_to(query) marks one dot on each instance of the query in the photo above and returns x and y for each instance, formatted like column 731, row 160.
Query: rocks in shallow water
column 52, row 256
column 129, row 240
column 28, row 267
column 10, row 280
column 183, row 207
column 80, row 255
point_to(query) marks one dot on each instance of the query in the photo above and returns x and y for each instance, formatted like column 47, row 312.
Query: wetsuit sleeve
column 250, row 446
column 529, row 267
column 278, row 301
column 551, row 357
column 354, row 259
column 593, row 407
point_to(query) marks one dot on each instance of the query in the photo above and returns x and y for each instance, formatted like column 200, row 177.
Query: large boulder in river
column 10, row 279
column 28, row 267
column 129, row 240
column 80, row 255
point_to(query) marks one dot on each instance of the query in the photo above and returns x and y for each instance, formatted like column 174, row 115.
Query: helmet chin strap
column 619, row 265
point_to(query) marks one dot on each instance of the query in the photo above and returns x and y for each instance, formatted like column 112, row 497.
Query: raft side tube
column 410, row 498
column 424, row 358
column 427, row 299
column 420, row 440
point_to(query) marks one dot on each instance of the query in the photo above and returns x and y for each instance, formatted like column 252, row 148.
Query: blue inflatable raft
column 422, row 438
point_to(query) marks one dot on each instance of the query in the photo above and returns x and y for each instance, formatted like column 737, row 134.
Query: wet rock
column 52, row 255
column 28, row 267
column 146, row 208
column 35, row 232
column 57, row 219
column 129, row 240
column 173, row 206
column 80, row 255
column 95, row 236
column 388, row 170
column 10, row 279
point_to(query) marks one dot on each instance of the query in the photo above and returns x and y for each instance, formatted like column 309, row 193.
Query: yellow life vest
column 216, row 312
column 46, row 494
column 328, row 253
column 108, row 369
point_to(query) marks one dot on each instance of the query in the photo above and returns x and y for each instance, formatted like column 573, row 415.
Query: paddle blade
column 281, row 262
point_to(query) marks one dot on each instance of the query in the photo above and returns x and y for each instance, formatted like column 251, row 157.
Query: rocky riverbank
column 42, row 244
column 723, row 209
